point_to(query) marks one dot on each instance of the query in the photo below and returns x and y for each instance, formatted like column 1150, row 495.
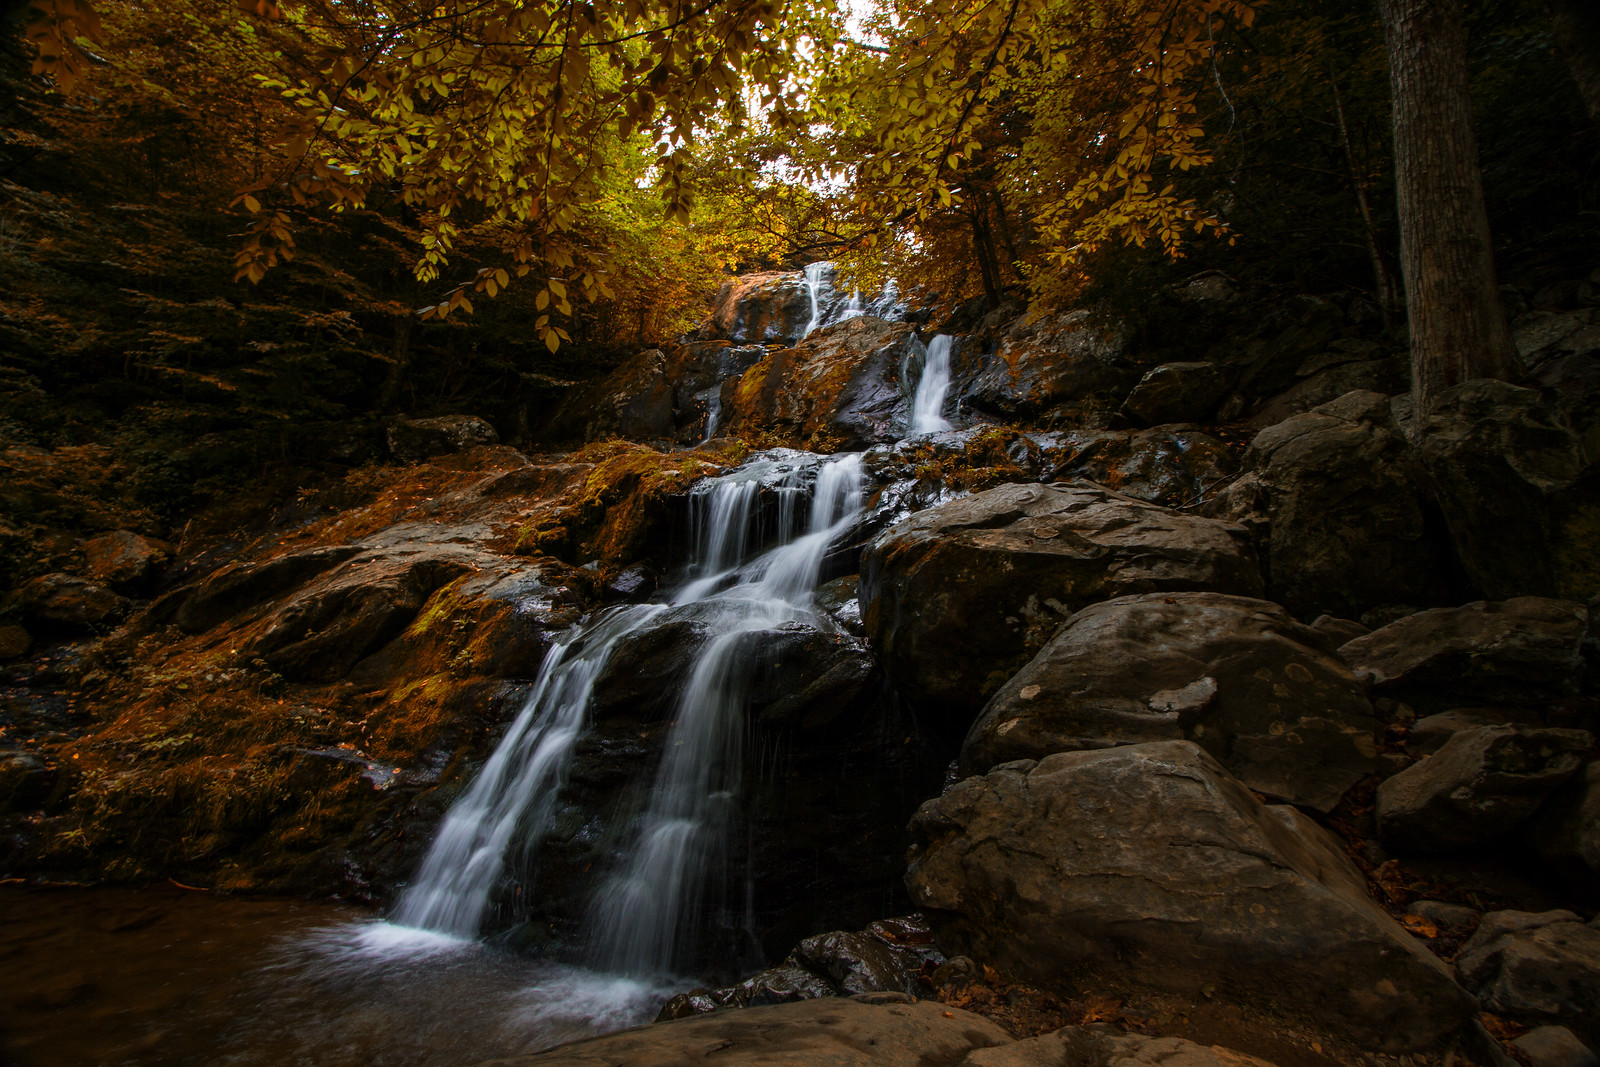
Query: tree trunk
column 1577, row 26
column 1458, row 328
column 403, row 325
column 1382, row 281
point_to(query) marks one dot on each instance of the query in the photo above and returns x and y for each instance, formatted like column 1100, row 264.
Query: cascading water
column 927, row 403
column 644, row 917
column 816, row 282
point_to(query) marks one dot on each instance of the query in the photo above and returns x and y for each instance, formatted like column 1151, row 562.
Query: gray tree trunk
column 1458, row 328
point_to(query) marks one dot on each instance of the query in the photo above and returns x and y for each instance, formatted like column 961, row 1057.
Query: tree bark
column 1458, row 328
column 1577, row 26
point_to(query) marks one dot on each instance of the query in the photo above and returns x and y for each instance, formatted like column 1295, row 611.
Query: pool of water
column 166, row 976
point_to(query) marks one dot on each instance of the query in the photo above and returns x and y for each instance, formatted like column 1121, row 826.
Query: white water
column 927, row 404
column 816, row 285
column 643, row 919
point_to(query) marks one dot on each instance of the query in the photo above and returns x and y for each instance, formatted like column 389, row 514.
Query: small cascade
column 816, row 283
column 927, row 403
column 644, row 917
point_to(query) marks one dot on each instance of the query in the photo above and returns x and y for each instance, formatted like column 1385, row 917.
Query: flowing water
column 927, row 404
column 816, row 286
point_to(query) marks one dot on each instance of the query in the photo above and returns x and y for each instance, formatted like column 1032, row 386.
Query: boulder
column 1514, row 481
column 239, row 588
column 1536, row 968
column 1345, row 499
column 1555, row 1046
column 1151, row 865
column 673, row 394
column 64, row 601
column 1483, row 783
column 1567, row 831
column 1429, row 734
column 960, row 596
column 1525, row 651
column 1168, row 466
column 1329, row 375
column 1101, row 1046
column 1066, row 365
column 804, row 673
column 1261, row 692
column 770, row 306
column 841, row 386
column 874, row 1030
column 1176, row 392
column 123, row 559
column 411, row 440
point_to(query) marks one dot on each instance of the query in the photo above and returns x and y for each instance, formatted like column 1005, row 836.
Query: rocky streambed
column 1213, row 700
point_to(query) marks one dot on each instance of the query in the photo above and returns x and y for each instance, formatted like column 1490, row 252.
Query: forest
column 988, row 532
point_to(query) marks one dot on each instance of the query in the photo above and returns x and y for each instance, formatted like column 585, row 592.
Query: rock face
column 1150, row 864
column 64, row 601
column 1537, row 968
column 417, row 439
column 1515, row 652
column 1063, row 365
column 655, row 395
column 124, row 559
column 1176, row 392
column 1097, row 1046
column 1483, row 783
column 960, row 596
column 1513, row 479
column 841, row 385
column 1262, row 693
column 866, row 1031
column 1345, row 499
column 1172, row 467
column 773, row 306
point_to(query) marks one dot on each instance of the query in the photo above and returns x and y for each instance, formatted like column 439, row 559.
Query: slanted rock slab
column 1150, row 865
column 959, row 597
column 836, row 1032
column 1261, row 692
column 1482, row 784
column 1528, row 650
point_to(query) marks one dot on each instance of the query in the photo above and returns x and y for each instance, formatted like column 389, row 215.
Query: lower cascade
column 644, row 918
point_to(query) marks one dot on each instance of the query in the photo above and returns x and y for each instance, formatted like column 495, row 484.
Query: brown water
column 170, row 977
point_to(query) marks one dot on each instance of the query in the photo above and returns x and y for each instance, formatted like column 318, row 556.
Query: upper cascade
column 786, row 306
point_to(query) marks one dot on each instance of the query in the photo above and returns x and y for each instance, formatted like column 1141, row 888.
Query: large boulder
column 1345, row 498
column 1066, row 365
column 1261, row 692
column 1525, row 651
column 841, row 386
column 1177, row 392
column 867, row 1031
column 1168, row 465
column 1347, row 366
column 1483, row 783
column 1151, row 865
column 123, row 559
column 1515, row 481
column 1102, row 1046
column 958, row 597
column 67, row 602
column 1537, row 968
column 417, row 439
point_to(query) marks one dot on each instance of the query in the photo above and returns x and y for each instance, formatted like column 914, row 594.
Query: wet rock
column 636, row 401
column 1554, row 1046
column 1345, row 499
column 1172, row 467
column 1537, row 968
column 1068, row 365
column 786, row 983
column 1483, row 783
column 960, row 596
column 838, row 1032
column 803, row 674
column 859, row 963
column 1526, row 651
column 1101, row 1046
column 1261, row 692
column 1567, row 831
column 633, row 583
column 416, row 439
column 123, row 559
column 64, row 601
column 840, row 386
column 1151, row 865
column 1513, row 479
column 26, row 780
column 238, row 588
column 1176, row 392
column 773, row 306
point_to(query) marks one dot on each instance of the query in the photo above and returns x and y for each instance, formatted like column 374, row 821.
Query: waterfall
column 927, row 404
column 644, row 916
column 815, row 284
